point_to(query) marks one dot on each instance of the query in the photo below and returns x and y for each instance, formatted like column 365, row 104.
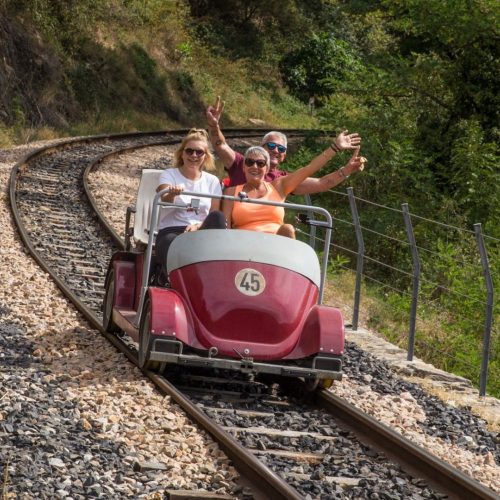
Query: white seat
column 144, row 204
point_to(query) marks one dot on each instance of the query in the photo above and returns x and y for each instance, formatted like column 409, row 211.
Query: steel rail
column 412, row 457
column 264, row 482
column 415, row 459
column 23, row 232
column 270, row 485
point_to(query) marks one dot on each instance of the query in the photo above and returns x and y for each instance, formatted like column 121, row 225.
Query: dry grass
column 339, row 292
column 382, row 318
column 235, row 82
column 6, row 136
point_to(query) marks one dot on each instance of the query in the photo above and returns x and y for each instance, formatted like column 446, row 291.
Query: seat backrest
column 144, row 204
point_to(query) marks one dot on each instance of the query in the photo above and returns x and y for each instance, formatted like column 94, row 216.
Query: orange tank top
column 253, row 217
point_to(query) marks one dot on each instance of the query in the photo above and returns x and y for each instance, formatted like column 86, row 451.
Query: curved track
column 69, row 238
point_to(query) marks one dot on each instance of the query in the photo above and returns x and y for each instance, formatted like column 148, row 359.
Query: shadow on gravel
column 16, row 351
column 46, row 451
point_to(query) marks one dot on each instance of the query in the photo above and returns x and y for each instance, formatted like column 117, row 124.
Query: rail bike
column 236, row 300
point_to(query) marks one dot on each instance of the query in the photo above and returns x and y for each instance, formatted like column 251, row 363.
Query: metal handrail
column 157, row 204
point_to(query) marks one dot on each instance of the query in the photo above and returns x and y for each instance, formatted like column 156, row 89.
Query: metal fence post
column 312, row 228
column 359, row 257
column 415, row 280
column 489, row 309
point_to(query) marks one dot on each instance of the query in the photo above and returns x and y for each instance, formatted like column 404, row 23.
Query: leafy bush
column 451, row 304
column 258, row 29
column 319, row 67
column 475, row 178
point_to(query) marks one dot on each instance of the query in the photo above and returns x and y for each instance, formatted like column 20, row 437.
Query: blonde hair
column 195, row 134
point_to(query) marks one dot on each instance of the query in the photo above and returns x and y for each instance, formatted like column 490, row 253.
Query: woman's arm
column 318, row 185
column 227, row 207
column 174, row 191
column 288, row 184
column 215, row 204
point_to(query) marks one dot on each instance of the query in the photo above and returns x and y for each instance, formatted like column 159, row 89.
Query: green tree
column 250, row 28
column 319, row 67
column 426, row 86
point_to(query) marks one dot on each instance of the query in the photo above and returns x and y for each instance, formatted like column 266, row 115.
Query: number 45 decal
column 250, row 282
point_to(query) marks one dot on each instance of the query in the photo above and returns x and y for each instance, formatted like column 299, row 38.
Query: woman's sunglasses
column 272, row 146
column 191, row 151
column 260, row 163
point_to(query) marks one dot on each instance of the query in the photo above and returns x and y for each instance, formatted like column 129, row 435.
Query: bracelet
column 342, row 173
column 335, row 148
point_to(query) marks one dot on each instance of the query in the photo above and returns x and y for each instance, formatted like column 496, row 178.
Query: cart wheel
column 145, row 340
column 107, row 314
column 311, row 384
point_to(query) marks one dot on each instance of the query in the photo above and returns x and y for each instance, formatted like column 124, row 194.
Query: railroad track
column 66, row 234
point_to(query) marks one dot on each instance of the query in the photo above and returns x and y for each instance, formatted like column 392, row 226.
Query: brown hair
column 195, row 134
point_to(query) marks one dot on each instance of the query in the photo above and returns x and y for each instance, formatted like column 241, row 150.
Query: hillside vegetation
column 418, row 79
column 86, row 66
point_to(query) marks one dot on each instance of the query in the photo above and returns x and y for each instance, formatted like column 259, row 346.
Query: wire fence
column 453, row 280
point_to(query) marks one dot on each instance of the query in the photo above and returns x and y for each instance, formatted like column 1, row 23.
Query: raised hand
column 356, row 162
column 215, row 112
column 347, row 141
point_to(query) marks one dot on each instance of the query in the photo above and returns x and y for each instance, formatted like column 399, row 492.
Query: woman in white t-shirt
column 191, row 160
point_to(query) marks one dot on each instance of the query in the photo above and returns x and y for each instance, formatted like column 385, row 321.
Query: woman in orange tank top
column 265, row 218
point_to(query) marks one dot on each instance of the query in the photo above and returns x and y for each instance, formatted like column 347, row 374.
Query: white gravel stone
column 402, row 413
column 111, row 396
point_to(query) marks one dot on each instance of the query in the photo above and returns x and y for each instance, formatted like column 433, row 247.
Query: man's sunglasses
column 272, row 146
column 260, row 163
column 197, row 152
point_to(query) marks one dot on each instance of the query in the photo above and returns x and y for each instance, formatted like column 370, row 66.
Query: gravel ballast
column 467, row 440
column 78, row 421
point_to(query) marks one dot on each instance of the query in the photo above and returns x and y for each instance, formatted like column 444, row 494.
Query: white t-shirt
column 207, row 183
